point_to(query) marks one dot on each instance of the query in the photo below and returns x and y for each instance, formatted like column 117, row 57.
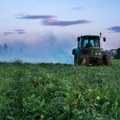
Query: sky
column 47, row 30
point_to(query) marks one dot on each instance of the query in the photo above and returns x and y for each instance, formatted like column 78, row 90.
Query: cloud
column 77, row 8
column 20, row 31
column 8, row 33
column 48, row 21
column 48, row 49
column 53, row 22
column 35, row 17
column 114, row 28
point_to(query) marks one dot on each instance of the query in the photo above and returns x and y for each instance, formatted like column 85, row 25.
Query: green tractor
column 89, row 51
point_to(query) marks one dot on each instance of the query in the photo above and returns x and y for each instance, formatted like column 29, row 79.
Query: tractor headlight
column 97, row 53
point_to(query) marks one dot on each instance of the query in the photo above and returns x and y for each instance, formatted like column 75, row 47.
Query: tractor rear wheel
column 75, row 60
column 106, row 59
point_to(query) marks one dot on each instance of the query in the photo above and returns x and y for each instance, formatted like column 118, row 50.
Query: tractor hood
column 95, row 51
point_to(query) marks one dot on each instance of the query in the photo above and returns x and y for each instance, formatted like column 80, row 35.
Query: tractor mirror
column 104, row 39
column 78, row 39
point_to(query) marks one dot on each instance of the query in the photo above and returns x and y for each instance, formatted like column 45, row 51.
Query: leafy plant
column 59, row 91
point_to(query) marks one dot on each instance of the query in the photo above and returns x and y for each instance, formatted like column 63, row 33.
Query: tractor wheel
column 75, row 60
column 106, row 59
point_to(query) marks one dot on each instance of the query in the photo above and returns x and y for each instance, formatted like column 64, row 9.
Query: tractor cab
column 89, row 50
column 88, row 41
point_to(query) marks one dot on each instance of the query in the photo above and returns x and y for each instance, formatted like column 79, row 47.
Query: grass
column 59, row 92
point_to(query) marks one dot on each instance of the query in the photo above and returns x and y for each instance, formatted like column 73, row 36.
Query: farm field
column 59, row 92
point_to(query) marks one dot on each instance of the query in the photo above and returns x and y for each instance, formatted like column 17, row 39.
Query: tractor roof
column 90, row 36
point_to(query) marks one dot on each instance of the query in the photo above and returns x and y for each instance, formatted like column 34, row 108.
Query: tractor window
column 92, row 42
column 88, row 43
column 85, row 42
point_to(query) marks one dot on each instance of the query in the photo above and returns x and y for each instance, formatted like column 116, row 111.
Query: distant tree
column 5, row 47
column 117, row 56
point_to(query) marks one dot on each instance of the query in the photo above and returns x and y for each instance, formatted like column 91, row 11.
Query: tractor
column 89, row 51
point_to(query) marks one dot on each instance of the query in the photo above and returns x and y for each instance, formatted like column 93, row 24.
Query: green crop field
column 59, row 92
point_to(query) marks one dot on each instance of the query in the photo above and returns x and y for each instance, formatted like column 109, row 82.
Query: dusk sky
column 46, row 30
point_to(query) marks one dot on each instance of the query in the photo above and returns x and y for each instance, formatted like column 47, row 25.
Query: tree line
column 3, row 48
column 117, row 55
